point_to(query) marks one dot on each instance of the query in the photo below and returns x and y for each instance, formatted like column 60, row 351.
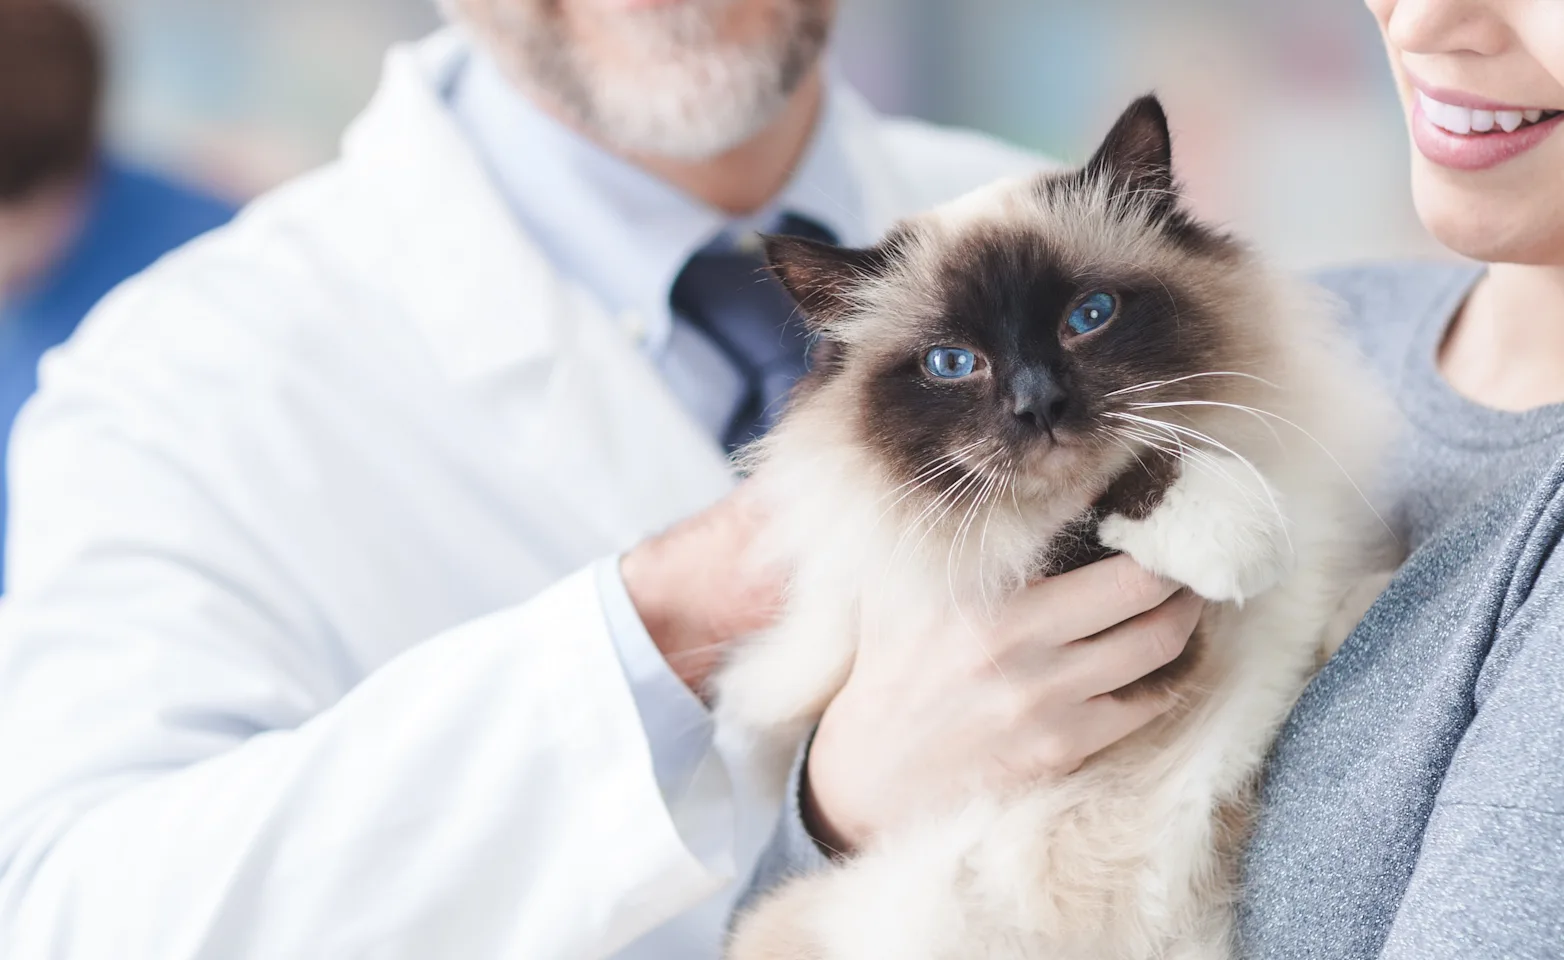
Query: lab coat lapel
column 888, row 196
column 589, row 415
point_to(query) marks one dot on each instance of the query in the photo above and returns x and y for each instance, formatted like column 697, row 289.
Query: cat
column 1034, row 376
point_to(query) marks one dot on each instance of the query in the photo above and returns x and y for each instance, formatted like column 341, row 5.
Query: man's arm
column 191, row 770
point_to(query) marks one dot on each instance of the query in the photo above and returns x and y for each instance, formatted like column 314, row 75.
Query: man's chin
column 660, row 80
column 676, row 125
column 607, row 6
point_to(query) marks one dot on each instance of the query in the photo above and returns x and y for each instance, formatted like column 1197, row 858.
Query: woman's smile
column 1467, row 132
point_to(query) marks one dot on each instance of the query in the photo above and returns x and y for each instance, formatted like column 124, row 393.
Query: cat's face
column 1018, row 332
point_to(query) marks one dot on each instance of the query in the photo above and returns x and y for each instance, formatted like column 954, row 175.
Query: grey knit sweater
column 1413, row 807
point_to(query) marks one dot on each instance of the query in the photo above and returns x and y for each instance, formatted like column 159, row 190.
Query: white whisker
column 922, row 473
column 954, row 464
column 1009, row 478
column 1195, row 457
column 1206, row 438
column 1259, row 413
column 953, row 494
column 1158, row 384
column 1241, row 408
column 957, row 551
column 958, row 546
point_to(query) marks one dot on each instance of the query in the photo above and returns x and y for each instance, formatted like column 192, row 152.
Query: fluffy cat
column 1024, row 380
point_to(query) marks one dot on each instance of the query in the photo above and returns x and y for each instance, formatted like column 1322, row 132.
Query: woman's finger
column 1098, row 724
column 1082, row 603
column 1125, row 653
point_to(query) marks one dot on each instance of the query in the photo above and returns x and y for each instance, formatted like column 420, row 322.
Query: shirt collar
column 616, row 229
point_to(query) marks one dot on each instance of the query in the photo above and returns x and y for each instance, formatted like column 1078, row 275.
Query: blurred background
column 1288, row 126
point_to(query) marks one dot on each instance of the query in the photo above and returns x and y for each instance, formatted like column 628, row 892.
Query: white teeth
column 1462, row 121
column 1446, row 116
column 1438, row 113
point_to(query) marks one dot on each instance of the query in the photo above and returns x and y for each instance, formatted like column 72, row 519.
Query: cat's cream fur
column 1133, row 856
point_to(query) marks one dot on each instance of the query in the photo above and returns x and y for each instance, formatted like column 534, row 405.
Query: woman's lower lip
column 1477, row 151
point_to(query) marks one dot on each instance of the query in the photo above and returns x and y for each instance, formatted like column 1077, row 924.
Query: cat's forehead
column 1031, row 244
column 1074, row 223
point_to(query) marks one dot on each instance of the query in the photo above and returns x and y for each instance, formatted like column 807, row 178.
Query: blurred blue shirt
column 133, row 218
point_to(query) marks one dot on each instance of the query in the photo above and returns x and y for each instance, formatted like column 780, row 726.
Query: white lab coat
column 302, row 656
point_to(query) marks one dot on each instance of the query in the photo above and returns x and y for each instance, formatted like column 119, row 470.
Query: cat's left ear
column 822, row 277
column 1137, row 156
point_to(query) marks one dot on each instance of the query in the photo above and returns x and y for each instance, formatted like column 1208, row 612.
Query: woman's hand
column 923, row 721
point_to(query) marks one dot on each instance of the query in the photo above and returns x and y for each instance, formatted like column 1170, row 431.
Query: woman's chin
column 1491, row 226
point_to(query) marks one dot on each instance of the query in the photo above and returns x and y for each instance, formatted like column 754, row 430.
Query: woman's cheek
column 1544, row 37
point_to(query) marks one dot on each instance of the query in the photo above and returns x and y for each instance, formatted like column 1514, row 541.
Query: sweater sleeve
column 1487, row 883
column 792, row 852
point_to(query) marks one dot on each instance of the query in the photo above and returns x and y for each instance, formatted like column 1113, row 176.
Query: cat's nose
column 1040, row 402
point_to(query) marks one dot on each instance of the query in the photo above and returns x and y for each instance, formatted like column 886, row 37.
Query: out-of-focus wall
column 1287, row 125
column 240, row 94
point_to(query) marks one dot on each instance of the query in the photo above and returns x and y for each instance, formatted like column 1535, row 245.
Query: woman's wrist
column 832, row 836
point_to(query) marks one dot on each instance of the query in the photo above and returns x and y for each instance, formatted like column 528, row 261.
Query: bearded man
column 339, row 623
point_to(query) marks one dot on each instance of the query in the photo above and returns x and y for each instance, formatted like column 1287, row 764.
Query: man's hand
column 925, row 720
column 699, row 587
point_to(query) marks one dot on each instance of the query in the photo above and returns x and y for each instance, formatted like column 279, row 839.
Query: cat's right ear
column 822, row 277
column 1136, row 158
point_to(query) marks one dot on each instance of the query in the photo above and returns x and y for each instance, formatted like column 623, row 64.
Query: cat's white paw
column 1221, row 530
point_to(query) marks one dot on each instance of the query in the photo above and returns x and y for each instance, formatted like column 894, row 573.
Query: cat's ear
column 1137, row 156
column 822, row 277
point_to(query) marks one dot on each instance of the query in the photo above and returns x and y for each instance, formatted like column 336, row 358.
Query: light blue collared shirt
column 625, row 236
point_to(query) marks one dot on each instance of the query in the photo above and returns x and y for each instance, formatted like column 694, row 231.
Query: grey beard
column 686, row 95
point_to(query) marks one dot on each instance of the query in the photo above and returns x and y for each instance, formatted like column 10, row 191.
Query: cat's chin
column 1061, row 468
column 1062, row 456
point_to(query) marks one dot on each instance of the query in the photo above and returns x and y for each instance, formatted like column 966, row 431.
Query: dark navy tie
column 727, row 294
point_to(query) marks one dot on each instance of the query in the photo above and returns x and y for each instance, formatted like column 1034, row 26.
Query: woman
column 1414, row 806
column 1415, row 803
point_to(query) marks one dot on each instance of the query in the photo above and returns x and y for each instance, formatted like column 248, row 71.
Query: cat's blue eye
column 1093, row 312
column 950, row 363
